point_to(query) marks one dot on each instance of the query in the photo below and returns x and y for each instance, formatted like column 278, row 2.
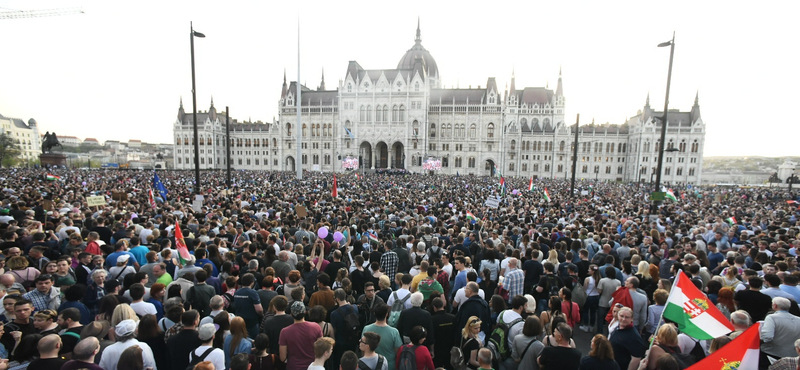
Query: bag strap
column 72, row 334
column 526, row 350
column 120, row 272
column 203, row 356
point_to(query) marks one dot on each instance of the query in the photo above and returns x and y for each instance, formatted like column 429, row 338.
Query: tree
column 9, row 151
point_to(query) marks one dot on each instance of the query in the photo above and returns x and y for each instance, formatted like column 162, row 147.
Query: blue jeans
column 602, row 327
column 542, row 305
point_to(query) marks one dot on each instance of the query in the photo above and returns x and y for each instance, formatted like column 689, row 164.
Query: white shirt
column 143, row 308
column 110, row 357
column 401, row 293
column 145, row 298
column 216, row 357
column 461, row 296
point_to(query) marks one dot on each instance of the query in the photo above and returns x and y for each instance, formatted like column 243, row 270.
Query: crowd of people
column 399, row 271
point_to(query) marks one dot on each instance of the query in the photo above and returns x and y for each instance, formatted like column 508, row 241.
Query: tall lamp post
column 671, row 44
column 192, row 35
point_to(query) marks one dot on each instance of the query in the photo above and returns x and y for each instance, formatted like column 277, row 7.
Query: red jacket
column 622, row 296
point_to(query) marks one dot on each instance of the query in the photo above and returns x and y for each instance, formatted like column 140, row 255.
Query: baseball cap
column 123, row 258
column 207, row 331
column 125, row 327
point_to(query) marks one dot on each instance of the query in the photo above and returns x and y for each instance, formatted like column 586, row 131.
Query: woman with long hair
column 491, row 263
column 552, row 257
column 148, row 332
column 106, row 310
column 123, row 311
column 665, row 284
column 418, row 335
column 526, row 347
column 589, row 311
column 223, row 321
column 601, row 355
column 725, row 302
column 730, row 279
column 25, row 350
column 570, row 309
column 237, row 341
column 131, row 359
column 553, row 310
column 317, row 315
column 45, row 322
column 18, row 267
column 646, row 281
column 470, row 342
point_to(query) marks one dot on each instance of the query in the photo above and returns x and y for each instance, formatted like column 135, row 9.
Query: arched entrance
column 382, row 155
column 365, row 155
column 290, row 164
column 489, row 168
column 398, row 155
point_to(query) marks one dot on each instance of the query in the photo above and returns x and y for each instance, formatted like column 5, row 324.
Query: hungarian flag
column 502, row 186
column 471, row 218
column 151, row 198
column 180, row 245
column 530, row 184
column 334, row 190
column 51, row 177
column 372, row 237
column 740, row 353
column 546, row 194
column 731, row 220
column 671, row 196
column 695, row 315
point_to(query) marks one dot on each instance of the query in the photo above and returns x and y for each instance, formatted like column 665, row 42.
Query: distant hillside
column 742, row 164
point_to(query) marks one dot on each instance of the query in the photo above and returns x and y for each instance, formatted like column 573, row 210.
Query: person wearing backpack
column 371, row 360
column 346, row 327
column 398, row 300
column 666, row 342
column 206, row 351
column 509, row 325
column 548, row 286
column 415, row 356
column 416, row 316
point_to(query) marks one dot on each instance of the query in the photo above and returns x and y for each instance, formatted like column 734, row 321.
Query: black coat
column 474, row 306
column 412, row 317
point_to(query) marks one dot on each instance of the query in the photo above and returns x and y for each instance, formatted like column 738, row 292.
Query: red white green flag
column 471, row 218
column 741, row 353
column 670, row 195
column 546, row 194
column 51, row 177
column 530, row 184
column 731, row 220
column 695, row 315
column 180, row 245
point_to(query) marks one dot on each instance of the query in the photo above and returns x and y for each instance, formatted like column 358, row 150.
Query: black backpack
column 378, row 366
column 408, row 358
column 684, row 360
column 552, row 286
column 352, row 326
column 196, row 360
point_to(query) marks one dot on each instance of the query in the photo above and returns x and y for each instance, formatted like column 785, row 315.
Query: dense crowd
column 399, row 271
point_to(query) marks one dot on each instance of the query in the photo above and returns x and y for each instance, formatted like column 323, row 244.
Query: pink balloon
column 322, row 232
column 337, row 236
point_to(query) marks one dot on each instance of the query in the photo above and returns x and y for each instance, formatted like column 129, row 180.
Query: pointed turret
column 647, row 102
column 285, row 87
column 322, row 83
column 212, row 112
column 181, row 112
column 418, row 39
column 559, row 88
column 513, row 89
column 696, row 108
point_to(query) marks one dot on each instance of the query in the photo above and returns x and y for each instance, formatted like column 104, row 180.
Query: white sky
column 118, row 71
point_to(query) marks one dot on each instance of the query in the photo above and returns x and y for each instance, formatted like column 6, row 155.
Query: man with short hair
column 324, row 295
column 282, row 266
column 186, row 282
column 147, row 268
column 199, row 296
column 629, row 347
column 273, row 325
column 390, row 337
column 297, row 341
column 514, row 279
column 240, row 362
column 49, row 359
column 788, row 363
column 323, row 349
column 773, row 289
column 389, row 260
column 790, row 286
column 22, row 323
column 161, row 274
column 485, row 358
column 474, row 306
column 366, row 302
column 756, row 304
column 45, row 296
column 779, row 330
column 70, row 321
column 83, row 355
column 206, row 351
column 349, row 361
column 139, row 305
column 403, row 292
column 185, row 341
column 416, row 316
column 368, row 344
column 189, row 267
column 248, row 304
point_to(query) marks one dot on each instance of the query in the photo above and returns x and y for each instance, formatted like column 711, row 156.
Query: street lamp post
column 574, row 157
column 192, row 35
column 671, row 44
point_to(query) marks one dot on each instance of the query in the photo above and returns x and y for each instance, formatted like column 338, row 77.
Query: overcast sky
column 118, row 71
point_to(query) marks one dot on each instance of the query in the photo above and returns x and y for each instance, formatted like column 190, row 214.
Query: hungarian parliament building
column 403, row 118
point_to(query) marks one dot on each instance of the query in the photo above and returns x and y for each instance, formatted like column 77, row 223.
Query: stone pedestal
column 52, row 159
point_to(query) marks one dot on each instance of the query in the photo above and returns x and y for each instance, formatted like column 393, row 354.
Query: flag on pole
column 372, row 237
column 51, row 177
column 151, row 198
column 471, row 218
column 695, row 315
column 731, row 220
column 502, row 186
column 546, row 194
column 740, row 353
column 671, row 196
column 159, row 186
column 530, row 184
column 180, row 245
column 334, row 190
column 349, row 133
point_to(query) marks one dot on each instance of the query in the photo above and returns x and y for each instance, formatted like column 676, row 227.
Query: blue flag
column 349, row 133
column 159, row 187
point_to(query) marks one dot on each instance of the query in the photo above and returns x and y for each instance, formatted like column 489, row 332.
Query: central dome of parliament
column 419, row 52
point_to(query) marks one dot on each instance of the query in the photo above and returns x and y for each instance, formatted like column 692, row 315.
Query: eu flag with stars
column 159, row 187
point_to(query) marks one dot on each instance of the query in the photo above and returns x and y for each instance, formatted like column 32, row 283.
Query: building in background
column 26, row 135
column 404, row 118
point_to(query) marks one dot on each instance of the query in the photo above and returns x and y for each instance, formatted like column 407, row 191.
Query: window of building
column 471, row 162
column 433, row 130
column 490, row 130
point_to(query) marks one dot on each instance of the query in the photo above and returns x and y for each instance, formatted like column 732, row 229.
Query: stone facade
column 402, row 117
